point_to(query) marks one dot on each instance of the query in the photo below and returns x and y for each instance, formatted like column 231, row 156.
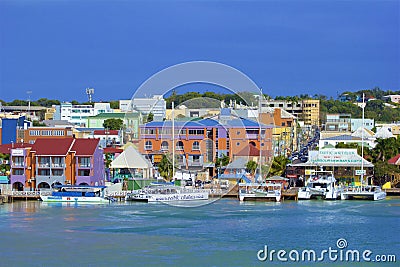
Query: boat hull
column 169, row 197
column 74, row 199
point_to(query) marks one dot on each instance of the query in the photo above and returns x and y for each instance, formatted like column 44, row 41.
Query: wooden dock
column 392, row 191
column 290, row 194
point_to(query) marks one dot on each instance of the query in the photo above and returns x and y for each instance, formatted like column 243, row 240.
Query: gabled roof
column 131, row 159
column 85, row 147
column 112, row 150
column 363, row 131
column 249, row 150
column 52, row 146
column 6, row 148
column 395, row 160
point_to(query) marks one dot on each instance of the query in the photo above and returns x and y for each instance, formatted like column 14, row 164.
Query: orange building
column 57, row 161
column 198, row 143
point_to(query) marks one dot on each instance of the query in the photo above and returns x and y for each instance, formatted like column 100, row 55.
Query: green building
column 131, row 121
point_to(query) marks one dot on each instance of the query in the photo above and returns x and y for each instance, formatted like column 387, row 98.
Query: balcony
column 84, row 165
column 44, row 165
column 58, row 165
column 18, row 165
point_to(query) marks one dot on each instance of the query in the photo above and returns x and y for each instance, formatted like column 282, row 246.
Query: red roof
column 85, row 147
column 249, row 150
column 112, row 150
column 6, row 148
column 394, row 160
column 52, row 146
column 104, row 132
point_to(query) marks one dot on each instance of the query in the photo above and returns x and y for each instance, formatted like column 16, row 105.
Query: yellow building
column 310, row 111
column 49, row 115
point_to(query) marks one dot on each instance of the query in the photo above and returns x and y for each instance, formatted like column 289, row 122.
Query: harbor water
column 222, row 233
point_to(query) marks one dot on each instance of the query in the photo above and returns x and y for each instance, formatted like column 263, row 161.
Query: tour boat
column 260, row 191
column 369, row 192
column 320, row 184
column 75, row 194
column 167, row 193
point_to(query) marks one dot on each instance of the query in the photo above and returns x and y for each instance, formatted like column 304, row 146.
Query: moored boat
column 75, row 193
column 369, row 192
column 321, row 184
column 260, row 191
column 167, row 193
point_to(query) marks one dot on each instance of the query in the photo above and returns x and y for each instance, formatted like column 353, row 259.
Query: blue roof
column 208, row 122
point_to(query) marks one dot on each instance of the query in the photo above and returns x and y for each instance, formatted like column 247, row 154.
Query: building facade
column 57, row 161
column 155, row 105
column 198, row 143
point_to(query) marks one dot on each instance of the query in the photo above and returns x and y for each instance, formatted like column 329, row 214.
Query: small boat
column 167, row 193
column 75, row 194
column 369, row 192
column 260, row 191
column 320, row 184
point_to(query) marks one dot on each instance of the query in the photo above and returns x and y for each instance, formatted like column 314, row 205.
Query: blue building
column 10, row 127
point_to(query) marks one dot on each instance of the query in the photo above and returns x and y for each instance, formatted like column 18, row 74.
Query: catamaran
column 75, row 194
column 260, row 191
column 167, row 193
column 321, row 184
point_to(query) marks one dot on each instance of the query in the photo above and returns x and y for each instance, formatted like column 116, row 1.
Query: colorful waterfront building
column 57, row 161
column 198, row 143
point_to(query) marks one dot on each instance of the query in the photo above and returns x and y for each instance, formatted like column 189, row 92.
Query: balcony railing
column 84, row 165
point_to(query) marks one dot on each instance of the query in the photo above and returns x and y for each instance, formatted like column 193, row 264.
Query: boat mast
column 259, row 123
column 173, row 140
column 362, row 143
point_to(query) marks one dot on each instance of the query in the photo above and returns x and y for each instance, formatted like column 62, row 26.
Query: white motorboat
column 260, row 191
column 320, row 184
column 75, row 194
column 369, row 192
column 167, row 193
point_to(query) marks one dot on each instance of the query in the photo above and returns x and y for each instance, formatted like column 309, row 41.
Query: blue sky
column 56, row 49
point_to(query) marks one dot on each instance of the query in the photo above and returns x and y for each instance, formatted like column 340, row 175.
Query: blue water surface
column 222, row 233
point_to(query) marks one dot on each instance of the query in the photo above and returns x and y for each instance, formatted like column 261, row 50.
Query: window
column 148, row 145
column 44, row 172
column 164, row 145
column 179, row 145
column 238, row 143
column 58, row 172
column 18, row 172
column 18, row 161
column 196, row 132
column 57, row 162
column 34, row 132
column 84, row 172
column 84, row 162
column 196, row 146
column 58, row 133
column 148, row 131
column 44, row 162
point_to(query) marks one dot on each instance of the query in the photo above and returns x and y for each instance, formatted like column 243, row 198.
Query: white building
column 357, row 123
column 78, row 114
column 156, row 105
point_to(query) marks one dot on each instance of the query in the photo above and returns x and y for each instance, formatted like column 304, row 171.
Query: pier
column 290, row 194
column 392, row 191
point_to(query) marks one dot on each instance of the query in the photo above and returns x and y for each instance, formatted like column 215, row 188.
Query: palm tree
column 278, row 165
column 251, row 166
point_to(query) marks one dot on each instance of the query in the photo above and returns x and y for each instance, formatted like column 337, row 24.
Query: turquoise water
column 224, row 233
